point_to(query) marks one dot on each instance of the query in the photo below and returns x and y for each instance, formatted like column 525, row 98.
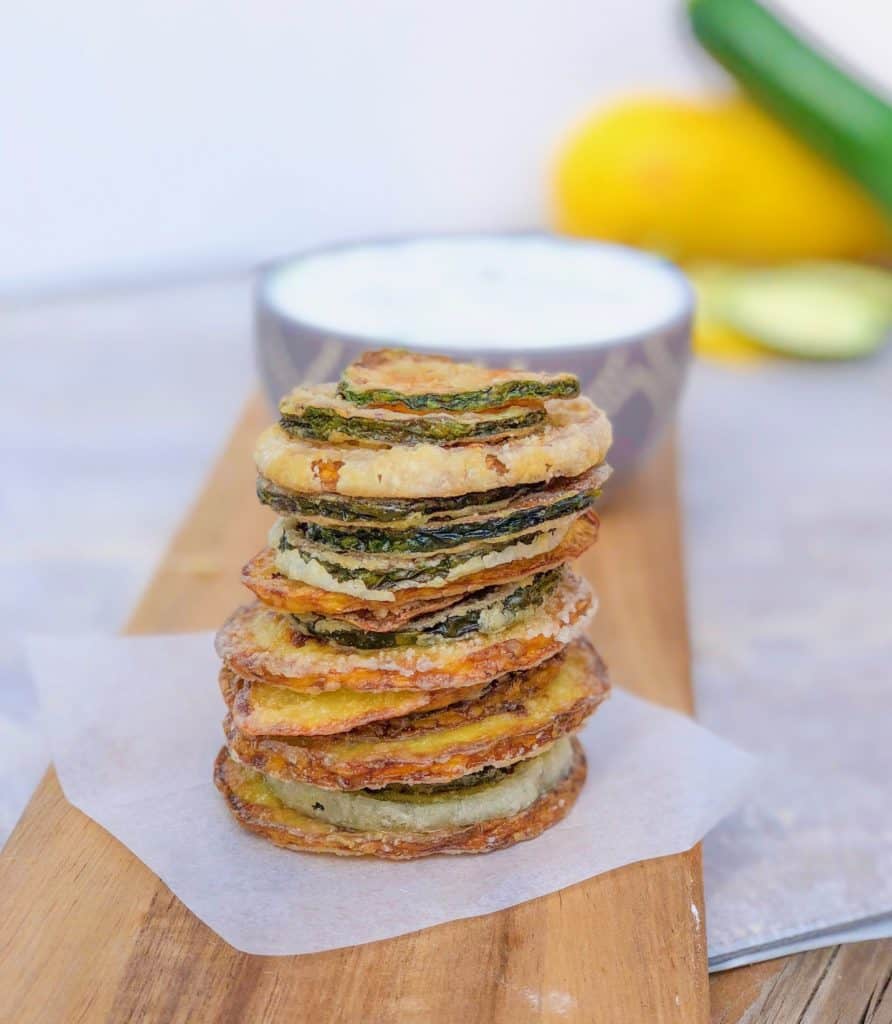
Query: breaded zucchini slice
column 398, row 379
column 574, row 439
column 366, row 575
column 259, row 643
column 319, row 414
column 439, row 537
column 416, row 513
column 257, row 806
column 390, row 609
column 405, row 512
column 484, row 612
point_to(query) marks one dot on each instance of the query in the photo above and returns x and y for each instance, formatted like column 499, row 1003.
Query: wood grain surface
column 87, row 933
column 837, row 985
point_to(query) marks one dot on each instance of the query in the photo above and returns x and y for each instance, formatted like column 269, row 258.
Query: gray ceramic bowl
column 618, row 318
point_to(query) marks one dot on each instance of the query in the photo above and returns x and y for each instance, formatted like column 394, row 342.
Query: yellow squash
column 710, row 179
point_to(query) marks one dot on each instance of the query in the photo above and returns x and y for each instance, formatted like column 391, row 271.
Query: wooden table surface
column 88, row 933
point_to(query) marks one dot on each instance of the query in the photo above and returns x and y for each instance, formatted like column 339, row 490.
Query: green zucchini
column 502, row 606
column 815, row 99
column 397, row 379
column 809, row 310
column 436, row 538
column 488, row 776
column 344, row 509
column 318, row 414
column 325, row 425
column 412, row 572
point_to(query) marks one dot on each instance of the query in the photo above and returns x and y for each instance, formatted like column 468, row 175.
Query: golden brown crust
column 543, row 495
column 296, row 831
column 325, row 396
column 272, row 588
column 259, row 643
column 516, row 718
column 420, row 373
column 257, row 710
column 575, row 439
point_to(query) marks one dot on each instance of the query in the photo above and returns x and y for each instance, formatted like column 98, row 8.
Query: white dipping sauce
column 516, row 292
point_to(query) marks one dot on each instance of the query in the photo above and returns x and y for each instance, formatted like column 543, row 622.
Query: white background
column 185, row 136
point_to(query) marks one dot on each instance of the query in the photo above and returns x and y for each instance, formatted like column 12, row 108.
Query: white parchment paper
column 134, row 726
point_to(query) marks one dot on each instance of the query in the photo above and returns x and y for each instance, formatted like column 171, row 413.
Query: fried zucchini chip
column 575, row 439
column 487, row 611
column 257, row 808
column 317, row 413
column 397, row 379
column 412, row 513
column 263, row 709
column 440, row 536
column 365, row 575
column 517, row 717
column 273, row 588
column 259, row 643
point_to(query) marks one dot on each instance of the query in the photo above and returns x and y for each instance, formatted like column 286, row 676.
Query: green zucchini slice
column 319, row 414
column 411, row 573
column 405, row 513
column 428, row 809
column 488, row 611
column 397, row 379
column 345, row 509
column 491, row 775
column 438, row 537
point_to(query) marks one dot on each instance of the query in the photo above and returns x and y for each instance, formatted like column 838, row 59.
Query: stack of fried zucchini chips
column 410, row 678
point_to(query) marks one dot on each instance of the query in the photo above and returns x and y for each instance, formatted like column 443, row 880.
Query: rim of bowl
column 268, row 272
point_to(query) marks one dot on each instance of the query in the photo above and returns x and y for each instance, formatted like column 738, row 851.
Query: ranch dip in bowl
column 617, row 317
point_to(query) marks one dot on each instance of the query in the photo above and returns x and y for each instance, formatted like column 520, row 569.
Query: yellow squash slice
column 517, row 717
column 264, row 709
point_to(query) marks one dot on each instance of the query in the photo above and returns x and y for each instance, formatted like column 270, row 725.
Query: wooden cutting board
column 88, row 933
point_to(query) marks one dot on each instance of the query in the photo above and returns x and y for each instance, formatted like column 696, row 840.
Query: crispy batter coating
column 317, row 411
column 263, row 709
column 421, row 380
column 259, row 811
column 259, row 643
column 575, row 439
column 262, row 577
column 358, row 513
column 517, row 717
